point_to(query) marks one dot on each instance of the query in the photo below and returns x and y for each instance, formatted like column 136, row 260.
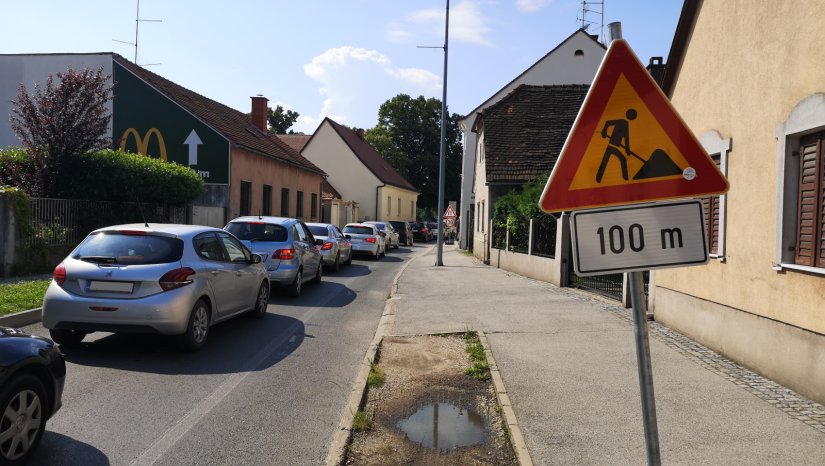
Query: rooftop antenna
column 592, row 7
column 137, row 31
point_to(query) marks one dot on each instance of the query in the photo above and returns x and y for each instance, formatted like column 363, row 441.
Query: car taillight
column 284, row 254
column 132, row 232
column 326, row 246
column 59, row 274
column 176, row 278
column 370, row 240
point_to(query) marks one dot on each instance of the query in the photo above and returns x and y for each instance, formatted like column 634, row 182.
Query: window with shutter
column 809, row 238
column 712, row 215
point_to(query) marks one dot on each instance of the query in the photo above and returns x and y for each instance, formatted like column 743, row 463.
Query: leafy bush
column 121, row 176
column 18, row 169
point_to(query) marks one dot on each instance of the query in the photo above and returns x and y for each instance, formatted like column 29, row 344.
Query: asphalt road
column 267, row 391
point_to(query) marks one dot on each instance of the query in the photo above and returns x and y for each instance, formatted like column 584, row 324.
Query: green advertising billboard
column 147, row 122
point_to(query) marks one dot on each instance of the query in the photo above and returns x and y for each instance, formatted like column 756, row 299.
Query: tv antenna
column 590, row 9
column 137, row 31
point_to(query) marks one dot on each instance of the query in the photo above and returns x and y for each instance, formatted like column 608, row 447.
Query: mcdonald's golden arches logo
column 142, row 143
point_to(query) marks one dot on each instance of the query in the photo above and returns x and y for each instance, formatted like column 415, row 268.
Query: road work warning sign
column 628, row 145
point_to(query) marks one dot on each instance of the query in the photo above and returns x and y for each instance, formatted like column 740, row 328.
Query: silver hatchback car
column 291, row 254
column 336, row 249
column 163, row 278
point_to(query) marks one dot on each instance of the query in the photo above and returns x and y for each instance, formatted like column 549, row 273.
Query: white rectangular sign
column 641, row 237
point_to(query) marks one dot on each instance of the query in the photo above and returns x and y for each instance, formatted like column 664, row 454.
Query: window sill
column 801, row 268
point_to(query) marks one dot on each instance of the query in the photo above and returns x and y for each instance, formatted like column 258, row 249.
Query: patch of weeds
column 376, row 376
column 22, row 295
column 479, row 369
column 361, row 421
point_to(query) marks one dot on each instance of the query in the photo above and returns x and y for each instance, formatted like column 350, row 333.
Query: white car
column 389, row 233
column 154, row 278
column 365, row 239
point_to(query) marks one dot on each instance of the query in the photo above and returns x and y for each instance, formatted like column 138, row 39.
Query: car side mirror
column 256, row 259
column 347, row 236
column 319, row 242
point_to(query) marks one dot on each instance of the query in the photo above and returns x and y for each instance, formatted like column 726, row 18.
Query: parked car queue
column 168, row 279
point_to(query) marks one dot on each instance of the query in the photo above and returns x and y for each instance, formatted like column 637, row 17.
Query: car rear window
column 257, row 231
column 359, row 230
column 318, row 230
column 380, row 226
column 112, row 247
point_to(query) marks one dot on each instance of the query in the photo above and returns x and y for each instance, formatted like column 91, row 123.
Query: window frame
column 245, row 203
column 299, row 204
column 715, row 144
column 806, row 118
column 284, row 202
column 313, row 208
column 266, row 200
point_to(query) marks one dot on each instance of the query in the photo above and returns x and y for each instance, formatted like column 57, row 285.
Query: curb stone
column 516, row 436
column 22, row 318
column 337, row 448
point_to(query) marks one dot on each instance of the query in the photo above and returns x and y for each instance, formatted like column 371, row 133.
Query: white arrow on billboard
column 193, row 141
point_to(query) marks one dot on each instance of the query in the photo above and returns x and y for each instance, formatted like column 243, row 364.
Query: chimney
column 360, row 132
column 259, row 113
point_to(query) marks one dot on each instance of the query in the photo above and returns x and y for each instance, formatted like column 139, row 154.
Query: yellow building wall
column 747, row 65
column 390, row 211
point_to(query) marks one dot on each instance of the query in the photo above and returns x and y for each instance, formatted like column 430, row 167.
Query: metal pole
column 442, row 154
column 639, row 307
column 639, row 304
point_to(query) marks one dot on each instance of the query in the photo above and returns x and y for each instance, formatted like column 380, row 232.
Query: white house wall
column 562, row 66
column 347, row 173
column 35, row 69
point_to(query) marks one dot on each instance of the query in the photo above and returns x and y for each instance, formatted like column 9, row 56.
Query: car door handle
column 214, row 272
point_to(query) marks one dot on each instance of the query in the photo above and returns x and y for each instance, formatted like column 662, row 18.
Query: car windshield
column 358, row 230
column 318, row 230
column 114, row 247
column 380, row 226
column 257, row 231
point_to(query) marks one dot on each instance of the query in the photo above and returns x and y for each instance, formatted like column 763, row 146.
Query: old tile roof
column 370, row 157
column 525, row 131
column 234, row 125
column 295, row 141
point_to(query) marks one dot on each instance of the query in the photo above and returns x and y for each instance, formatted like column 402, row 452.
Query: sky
column 330, row 58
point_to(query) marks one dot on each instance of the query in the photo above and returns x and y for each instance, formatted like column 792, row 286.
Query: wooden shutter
column 809, row 214
column 711, row 207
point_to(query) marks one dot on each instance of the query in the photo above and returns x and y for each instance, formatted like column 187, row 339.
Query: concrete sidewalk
column 569, row 366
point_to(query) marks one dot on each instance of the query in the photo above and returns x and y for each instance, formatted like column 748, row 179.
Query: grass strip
column 22, row 295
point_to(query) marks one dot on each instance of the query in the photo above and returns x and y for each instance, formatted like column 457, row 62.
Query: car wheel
column 294, row 290
column 67, row 338
column 319, row 272
column 22, row 418
column 261, row 301
column 337, row 265
column 197, row 329
column 349, row 259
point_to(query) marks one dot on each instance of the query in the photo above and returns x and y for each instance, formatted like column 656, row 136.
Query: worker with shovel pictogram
column 658, row 165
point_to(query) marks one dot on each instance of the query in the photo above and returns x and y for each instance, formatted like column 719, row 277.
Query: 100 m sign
column 625, row 239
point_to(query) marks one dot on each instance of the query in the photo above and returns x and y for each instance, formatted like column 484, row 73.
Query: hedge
column 111, row 175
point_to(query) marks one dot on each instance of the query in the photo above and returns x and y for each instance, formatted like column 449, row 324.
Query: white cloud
column 354, row 82
column 467, row 24
column 532, row 5
column 397, row 34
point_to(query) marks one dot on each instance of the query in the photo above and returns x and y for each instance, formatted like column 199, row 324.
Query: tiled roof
column 295, row 141
column 371, row 158
column 234, row 125
column 525, row 131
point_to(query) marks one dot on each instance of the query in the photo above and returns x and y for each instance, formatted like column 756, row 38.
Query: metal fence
column 57, row 222
column 544, row 236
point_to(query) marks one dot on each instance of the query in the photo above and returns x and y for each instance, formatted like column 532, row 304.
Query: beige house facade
column 360, row 174
column 747, row 79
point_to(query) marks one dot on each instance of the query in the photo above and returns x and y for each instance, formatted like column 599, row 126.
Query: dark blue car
column 32, row 373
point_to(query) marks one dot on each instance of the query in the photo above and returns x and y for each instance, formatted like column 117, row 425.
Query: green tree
column 280, row 120
column 408, row 136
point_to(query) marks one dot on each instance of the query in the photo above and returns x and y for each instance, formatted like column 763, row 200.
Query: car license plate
column 114, row 287
column 357, row 240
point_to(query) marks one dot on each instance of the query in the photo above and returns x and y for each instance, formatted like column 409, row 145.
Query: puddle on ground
column 444, row 426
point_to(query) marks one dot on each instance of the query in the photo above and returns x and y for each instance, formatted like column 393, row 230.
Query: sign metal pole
column 639, row 305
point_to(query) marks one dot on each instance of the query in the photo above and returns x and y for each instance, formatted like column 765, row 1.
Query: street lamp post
column 442, row 152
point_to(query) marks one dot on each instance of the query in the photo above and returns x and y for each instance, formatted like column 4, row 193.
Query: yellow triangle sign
column 628, row 145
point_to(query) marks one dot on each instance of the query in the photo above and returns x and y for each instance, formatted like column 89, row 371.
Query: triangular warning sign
column 628, row 145
column 450, row 212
